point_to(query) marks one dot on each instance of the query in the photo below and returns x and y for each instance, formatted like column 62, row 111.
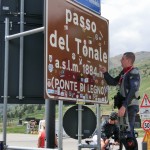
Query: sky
column 129, row 25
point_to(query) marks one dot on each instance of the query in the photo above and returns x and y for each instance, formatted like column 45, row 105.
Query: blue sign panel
column 93, row 5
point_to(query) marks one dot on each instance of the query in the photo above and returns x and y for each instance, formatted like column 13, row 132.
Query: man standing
column 128, row 82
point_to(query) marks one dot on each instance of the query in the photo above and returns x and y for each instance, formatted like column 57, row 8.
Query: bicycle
column 111, row 145
column 127, row 141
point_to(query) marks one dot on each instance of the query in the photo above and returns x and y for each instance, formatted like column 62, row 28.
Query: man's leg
column 132, row 111
column 127, row 128
column 104, row 144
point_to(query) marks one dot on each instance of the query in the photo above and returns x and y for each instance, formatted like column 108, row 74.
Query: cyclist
column 109, row 128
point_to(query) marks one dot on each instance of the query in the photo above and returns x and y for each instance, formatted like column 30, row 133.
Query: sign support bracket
column 98, row 115
column 6, row 67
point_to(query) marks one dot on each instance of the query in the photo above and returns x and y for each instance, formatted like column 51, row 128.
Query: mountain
column 141, row 57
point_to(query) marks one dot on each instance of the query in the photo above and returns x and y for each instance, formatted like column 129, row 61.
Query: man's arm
column 108, row 78
column 103, row 129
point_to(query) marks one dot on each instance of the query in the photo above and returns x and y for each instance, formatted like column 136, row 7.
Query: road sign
column 145, row 102
column 145, row 116
column 93, row 5
column 76, row 46
column 145, row 112
column 147, row 139
column 146, row 125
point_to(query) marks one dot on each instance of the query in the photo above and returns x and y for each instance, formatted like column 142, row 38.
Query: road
column 30, row 140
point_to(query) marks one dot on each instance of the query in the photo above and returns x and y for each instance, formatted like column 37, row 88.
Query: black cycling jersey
column 108, row 130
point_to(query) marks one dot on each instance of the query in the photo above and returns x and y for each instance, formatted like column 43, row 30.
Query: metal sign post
column 98, row 126
column 79, row 125
column 60, row 133
column 6, row 67
column 21, row 50
column 5, row 79
column 50, row 123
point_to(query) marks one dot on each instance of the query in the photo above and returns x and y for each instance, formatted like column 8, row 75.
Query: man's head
column 127, row 59
column 113, row 117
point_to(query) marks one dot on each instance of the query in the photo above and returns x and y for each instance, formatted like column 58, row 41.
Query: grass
column 140, row 131
column 22, row 129
column 145, row 88
column 12, row 127
column 17, row 129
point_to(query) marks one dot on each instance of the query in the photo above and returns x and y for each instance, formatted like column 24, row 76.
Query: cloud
column 128, row 25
